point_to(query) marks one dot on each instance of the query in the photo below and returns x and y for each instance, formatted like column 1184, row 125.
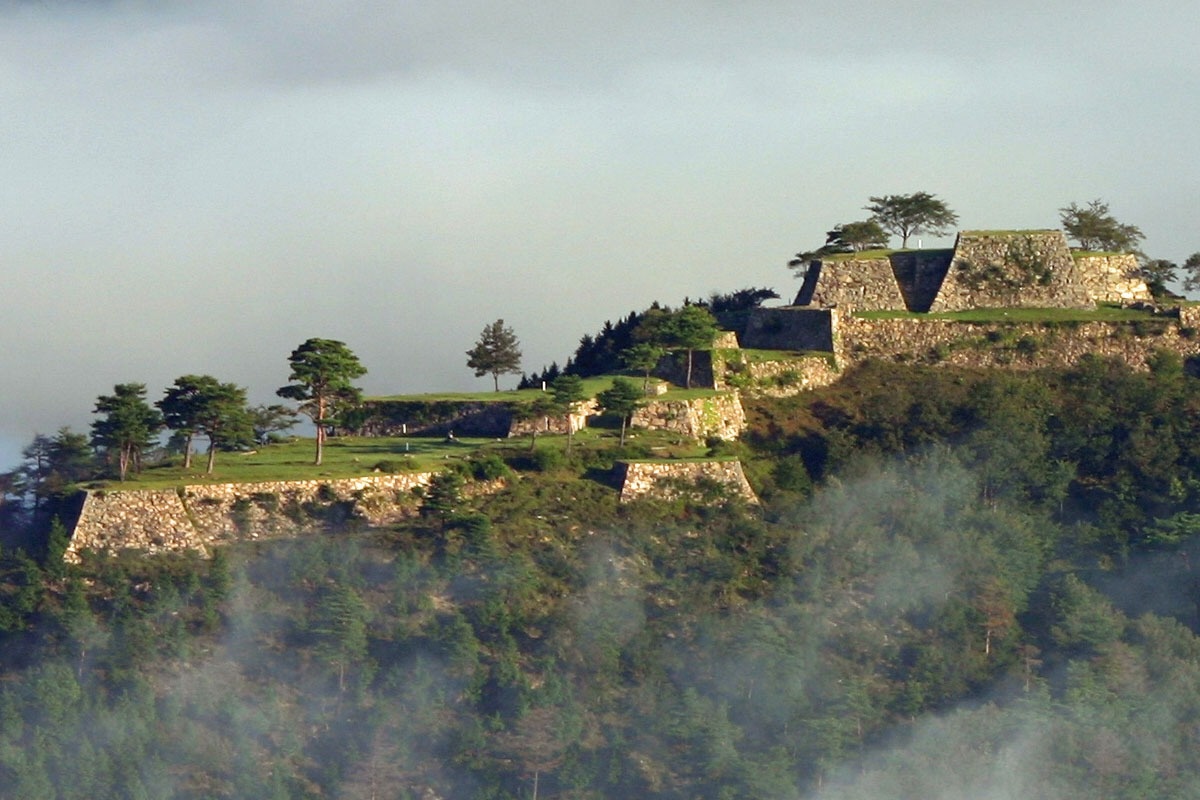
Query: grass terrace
column 354, row 456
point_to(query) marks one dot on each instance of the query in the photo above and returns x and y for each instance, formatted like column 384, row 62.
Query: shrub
column 546, row 460
column 1028, row 346
column 489, row 467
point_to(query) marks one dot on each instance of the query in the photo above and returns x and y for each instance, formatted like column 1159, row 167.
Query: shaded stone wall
column 1015, row 346
column 920, row 274
column 429, row 418
column 197, row 517
column 720, row 416
column 1112, row 278
column 1028, row 269
column 791, row 328
column 668, row 480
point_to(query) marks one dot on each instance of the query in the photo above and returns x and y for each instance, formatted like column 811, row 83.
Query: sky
column 198, row 187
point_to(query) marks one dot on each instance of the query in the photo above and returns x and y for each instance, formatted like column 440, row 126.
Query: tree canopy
column 202, row 404
column 622, row 399
column 908, row 215
column 495, row 353
column 1094, row 228
column 322, row 371
column 127, row 428
column 690, row 328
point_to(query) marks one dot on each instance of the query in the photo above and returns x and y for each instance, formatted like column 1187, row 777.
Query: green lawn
column 354, row 456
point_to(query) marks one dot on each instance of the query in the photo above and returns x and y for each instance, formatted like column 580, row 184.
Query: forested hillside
column 961, row 584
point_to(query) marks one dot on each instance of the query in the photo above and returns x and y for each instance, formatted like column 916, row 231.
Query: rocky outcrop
column 200, row 516
column 697, row 479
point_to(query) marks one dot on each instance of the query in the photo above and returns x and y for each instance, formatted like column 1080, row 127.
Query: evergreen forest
column 960, row 584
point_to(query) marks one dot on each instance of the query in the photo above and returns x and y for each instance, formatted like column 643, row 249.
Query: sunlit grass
column 355, row 456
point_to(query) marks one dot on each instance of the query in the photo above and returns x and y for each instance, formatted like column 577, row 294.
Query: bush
column 489, row 467
column 547, row 460
column 393, row 466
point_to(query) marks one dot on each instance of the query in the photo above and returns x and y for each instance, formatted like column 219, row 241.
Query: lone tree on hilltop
column 1094, row 228
column 496, row 352
column 127, row 428
column 322, row 370
column 910, row 214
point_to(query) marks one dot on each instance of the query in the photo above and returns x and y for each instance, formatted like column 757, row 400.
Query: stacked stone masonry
column 1032, row 269
column 1014, row 346
column 668, row 480
column 719, row 416
column 986, row 269
column 200, row 516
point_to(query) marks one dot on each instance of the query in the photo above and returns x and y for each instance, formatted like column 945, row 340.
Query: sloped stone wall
column 669, row 480
column 867, row 283
column 720, row 416
column 1027, row 269
column 1112, row 278
column 197, row 517
column 986, row 269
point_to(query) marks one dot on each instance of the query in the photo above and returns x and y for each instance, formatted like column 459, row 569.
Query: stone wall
column 868, row 283
column 720, row 416
column 920, row 274
column 1112, row 278
column 790, row 377
column 556, row 423
column 791, row 328
column 197, row 517
column 669, row 480
column 986, row 269
column 1015, row 346
column 1010, row 269
column 429, row 418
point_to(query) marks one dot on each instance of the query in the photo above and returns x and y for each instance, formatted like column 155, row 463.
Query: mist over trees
column 961, row 584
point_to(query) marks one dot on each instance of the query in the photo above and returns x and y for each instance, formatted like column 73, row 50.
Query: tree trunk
column 623, row 419
column 320, row 441
column 187, row 451
column 689, row 369
column 496, row 380
column 212, row 456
